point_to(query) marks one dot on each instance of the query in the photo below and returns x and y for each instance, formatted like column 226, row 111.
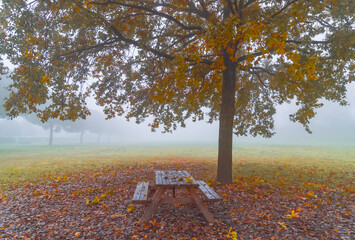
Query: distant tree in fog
column 53, row 125
column 4, row 82
column 95, row 123
column 78, row 126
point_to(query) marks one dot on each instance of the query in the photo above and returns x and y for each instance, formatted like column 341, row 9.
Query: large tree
column 226, row 60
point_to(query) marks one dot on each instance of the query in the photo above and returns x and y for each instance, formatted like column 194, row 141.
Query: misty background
column 333, row 124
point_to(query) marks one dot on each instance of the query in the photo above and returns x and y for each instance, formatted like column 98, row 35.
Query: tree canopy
column 226, row 60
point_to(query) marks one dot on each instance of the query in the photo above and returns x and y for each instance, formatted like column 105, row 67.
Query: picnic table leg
column 208, row 215
column 154, row 203
column 152, row 191
column 174, row 195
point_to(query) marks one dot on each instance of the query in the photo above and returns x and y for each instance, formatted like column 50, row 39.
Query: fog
column 333, row 124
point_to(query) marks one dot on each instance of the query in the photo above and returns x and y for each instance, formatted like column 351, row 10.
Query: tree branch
column 150, row 10
column 243, row 58
column 325, row 23
column 99, row 45
column 119, row 36
column 230, row 5
column 250, row 2
column 137, row 44
column 313, row 42
column 262, row 70
column 193, row 9
column 258, row 77
column 284, row 8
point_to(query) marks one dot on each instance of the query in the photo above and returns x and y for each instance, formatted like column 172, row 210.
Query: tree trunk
column 51, row 135
column 81, row 137
column 226, row 117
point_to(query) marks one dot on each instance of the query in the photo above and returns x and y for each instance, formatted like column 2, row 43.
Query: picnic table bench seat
column 141, row 193
column 208, row 191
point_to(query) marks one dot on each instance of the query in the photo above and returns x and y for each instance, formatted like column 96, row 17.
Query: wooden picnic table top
column 175, row 178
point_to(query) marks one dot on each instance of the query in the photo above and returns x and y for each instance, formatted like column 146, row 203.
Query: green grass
column 286, row 165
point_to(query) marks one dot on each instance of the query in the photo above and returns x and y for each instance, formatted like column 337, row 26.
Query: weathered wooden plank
column 180, row 177
column 170, row 175
column 165, row 178
column 205, row 189
column 187, row 174
column 141, row 193
column 144, row 191
column 158, row 178
column 137, row 192
column 173, row 177
column 208, row 191
column 162, row 177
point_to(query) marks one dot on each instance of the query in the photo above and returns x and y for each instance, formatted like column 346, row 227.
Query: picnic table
column 173, row 180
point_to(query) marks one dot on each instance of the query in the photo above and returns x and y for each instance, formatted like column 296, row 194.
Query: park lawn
column 285, row 192
column 273, row 163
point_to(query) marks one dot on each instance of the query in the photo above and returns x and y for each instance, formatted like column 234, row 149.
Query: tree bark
column 226, row 117
column 51, row 135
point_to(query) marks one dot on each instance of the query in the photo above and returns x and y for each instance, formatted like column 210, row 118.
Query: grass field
column 279, row 192
column 287, row 164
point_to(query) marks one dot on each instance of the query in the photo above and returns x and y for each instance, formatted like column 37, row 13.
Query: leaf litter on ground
column 96, row 204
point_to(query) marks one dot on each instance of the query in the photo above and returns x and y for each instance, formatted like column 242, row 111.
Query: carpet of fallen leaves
column 95, row 204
